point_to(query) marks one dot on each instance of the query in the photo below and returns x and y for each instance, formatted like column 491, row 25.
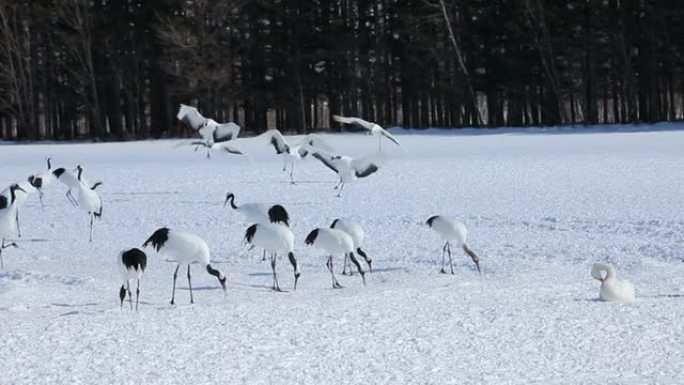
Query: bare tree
column 535, row 18
column 16, row 80
column 77, row 41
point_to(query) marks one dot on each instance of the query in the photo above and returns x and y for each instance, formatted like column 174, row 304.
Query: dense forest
column 117, row 69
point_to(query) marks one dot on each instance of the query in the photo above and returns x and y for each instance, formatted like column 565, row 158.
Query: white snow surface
column 540, row 209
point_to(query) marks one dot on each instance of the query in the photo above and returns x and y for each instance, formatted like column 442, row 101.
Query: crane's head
column 79, row 171
column 230, row 197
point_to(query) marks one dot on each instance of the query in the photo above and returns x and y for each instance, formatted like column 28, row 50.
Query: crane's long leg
column 339, row 182
column 4, row 246
column 264, row 256
column 451, row 265
column 190, row 285
column 122, row 295
column 358, row 267
column 443, row 255
column 92, row 216
column 291, row 173
column 276, row 285
column 71, row 198
column 329, row 264
column 175, row 274
column 339, row 193
column 40, row 196
column 16, row 218
column 130, row 296
column 137, row 295
column 293, row 261
column 344, row 267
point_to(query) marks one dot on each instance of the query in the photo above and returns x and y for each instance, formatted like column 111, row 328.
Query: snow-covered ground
column 541, row 209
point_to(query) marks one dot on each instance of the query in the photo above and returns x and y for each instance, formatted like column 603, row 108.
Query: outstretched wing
column 368, row 164
column 387, row 135
column 311, row 143
column 277, row 140
column 225, row 132
column 191, row 116
column 230, row 149
column 326, row 159
column 195, row 143
column 351, row 120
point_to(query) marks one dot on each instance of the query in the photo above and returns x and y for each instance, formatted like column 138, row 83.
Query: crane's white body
column 20, row 199
column 89, row 201
column 334, row 242
column 71, row 180
column 185, row 248
column 348, row 168
column 353, row 229
column 8, row 218
column 42, row 180
column 274, row 238
column 254, row 212
column 371, row 128
column 613, row 288
column 451, row 229
column 214, row 132
column 258, row 212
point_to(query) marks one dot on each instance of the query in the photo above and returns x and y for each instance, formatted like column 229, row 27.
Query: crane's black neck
column 231, row 197
column 13, row 194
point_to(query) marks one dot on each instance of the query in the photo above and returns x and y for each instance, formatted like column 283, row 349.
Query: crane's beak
column 19, row 188
column 226, row 201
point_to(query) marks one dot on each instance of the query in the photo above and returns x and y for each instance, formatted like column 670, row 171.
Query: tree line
column 117, row 69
